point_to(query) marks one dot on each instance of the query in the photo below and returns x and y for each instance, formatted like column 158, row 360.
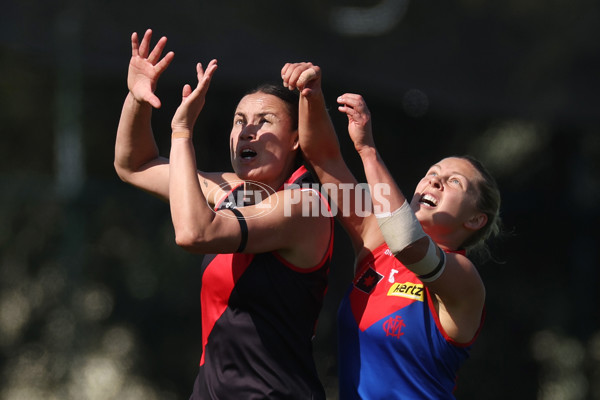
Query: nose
column 248, row 132
column 435, row 182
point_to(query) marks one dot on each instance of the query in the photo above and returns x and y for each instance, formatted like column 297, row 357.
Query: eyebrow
column 261, row 114
column 437, row 166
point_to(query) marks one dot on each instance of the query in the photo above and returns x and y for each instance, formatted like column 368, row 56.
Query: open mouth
column 428, row 200
column 247, row 154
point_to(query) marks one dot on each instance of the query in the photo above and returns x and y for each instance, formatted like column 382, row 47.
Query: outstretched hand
column 192, row 101
column 359, row 120
column 304, row 76
column 145, row 67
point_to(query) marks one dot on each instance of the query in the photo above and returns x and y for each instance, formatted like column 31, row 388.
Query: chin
column 243, row 171
column 424, row 218
column 250, row 174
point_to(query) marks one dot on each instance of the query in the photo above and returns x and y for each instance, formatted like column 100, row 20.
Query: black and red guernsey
column 259, row 314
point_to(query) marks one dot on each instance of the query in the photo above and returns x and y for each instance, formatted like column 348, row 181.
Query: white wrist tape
column 402, row 228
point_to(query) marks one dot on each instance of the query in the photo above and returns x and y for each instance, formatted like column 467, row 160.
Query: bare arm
column 137, row 160
column 189, row 210
column 302, row 240
column 459, row 292
column 360, row 131
column 321, row 149
column 387, row 196
column 459, row 295
column 136, row 155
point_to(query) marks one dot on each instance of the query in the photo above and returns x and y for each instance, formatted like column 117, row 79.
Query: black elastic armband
column 437, row 270
column 243, row 229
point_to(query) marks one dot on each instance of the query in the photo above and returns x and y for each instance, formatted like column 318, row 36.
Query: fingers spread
column 154, row 101
column 187, row 90
column 145, row 45
column 157, row 51
column 135, row 46
column 164, row 63
column 204, row 77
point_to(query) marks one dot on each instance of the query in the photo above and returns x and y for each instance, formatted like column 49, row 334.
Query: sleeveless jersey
column 259, row 314
column 391, row 342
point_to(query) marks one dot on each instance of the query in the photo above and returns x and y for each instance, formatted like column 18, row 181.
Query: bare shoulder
column 459, row 295
column 460, row 285
column 216, row 185
column 295, row 222
column 459, row 266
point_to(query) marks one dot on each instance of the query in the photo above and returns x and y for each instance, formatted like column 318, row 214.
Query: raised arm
column 321, row 150
column 137, row 160
column 190, row 213
column 360, row 131
column 399, row 226
column 452, row 278
column 300, row 239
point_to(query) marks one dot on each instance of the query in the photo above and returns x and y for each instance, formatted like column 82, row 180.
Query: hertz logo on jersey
column 409, row 290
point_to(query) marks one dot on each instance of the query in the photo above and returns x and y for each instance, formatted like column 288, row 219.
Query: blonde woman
column 416, row 303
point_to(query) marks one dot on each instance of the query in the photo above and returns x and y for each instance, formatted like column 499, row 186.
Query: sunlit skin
column 262, row 141
column 458, row 295
column 445, row 201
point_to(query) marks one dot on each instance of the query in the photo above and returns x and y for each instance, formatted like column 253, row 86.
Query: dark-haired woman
column 263, row 285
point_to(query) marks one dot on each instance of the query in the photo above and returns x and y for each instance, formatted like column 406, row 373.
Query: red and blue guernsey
column 259, row 313
column 391, row 343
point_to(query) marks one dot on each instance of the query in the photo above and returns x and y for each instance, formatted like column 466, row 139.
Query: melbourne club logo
column 393, row 326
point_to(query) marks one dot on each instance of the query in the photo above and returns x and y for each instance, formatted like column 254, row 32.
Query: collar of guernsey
column 370, row 257
column 304, row 179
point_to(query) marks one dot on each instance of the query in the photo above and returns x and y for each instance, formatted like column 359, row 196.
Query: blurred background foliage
column 96, row 301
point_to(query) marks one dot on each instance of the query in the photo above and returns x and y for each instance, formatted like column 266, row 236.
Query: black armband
column 243, row 229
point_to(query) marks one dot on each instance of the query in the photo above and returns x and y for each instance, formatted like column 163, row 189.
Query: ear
column 295, row 143
column 476, row 222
